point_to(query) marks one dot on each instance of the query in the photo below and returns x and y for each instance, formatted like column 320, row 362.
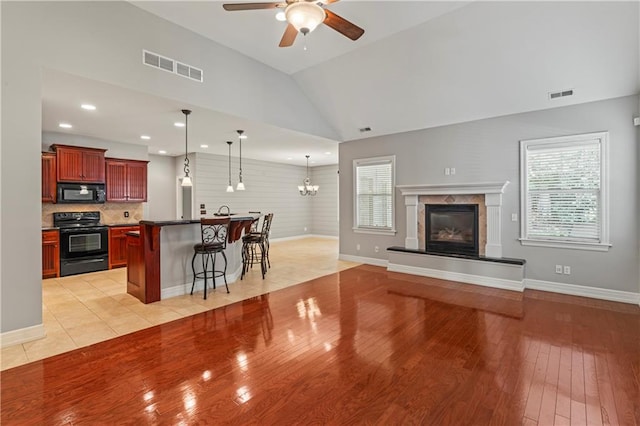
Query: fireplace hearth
column 451, row 228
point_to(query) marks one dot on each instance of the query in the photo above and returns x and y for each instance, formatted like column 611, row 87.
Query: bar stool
column 214, row 240
column 253, row 242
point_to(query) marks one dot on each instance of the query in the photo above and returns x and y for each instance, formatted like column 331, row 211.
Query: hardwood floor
column 358, row 346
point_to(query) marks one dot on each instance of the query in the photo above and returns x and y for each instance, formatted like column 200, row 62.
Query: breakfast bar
column 159, row 256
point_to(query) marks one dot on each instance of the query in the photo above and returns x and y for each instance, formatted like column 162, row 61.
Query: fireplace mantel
column 492, row 197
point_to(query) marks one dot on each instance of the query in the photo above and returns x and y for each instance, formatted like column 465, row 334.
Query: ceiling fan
column 303, row 16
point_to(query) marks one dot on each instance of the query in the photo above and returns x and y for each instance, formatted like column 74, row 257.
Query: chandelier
column 307, row 188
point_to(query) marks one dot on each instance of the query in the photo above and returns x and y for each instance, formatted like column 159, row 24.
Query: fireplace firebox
column 452, row 228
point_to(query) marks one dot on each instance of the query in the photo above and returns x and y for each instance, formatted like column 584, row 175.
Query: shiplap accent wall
column 325, row 203
column 271, row 188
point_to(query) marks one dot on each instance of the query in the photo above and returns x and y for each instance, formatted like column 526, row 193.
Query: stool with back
column 214, row 234
column 256, row 244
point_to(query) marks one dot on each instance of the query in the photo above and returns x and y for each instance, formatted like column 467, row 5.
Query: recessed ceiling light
column 280, row 16
column 162, row 151
column 327, row 153
column 65, row 125
column 289, row 158
column 88, row 107
column 178, row 124
column 145, row 137
column 204, row 146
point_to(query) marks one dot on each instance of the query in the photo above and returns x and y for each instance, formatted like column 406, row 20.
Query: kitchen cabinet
column 50, row 254
column 49, row 173
column 77, row 164
column 126, row 180
column 118, row 245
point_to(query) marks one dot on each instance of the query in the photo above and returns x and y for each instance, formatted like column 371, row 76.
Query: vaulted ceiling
column 422, row 64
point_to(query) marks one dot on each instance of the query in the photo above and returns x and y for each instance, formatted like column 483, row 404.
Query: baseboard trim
column 300, row 237
column 366, row 260
column 22, row 335
column 182, row 289
column 580, row 290
column 459, row 277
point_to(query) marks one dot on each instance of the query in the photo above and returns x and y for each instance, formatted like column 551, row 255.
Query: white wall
column 488, row 151
column 324, row 214
column 161, row 188
column 270, row 188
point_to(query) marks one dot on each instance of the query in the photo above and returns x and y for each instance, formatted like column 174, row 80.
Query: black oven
column 84, row 243
column 81, row 193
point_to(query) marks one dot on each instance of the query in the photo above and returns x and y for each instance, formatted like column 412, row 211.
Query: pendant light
column 229, row 187
column 307, row 188
column 240, row 186
column 186, row 180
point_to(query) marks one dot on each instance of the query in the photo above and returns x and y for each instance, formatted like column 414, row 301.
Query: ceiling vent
column 171, row 65
column 560, row 94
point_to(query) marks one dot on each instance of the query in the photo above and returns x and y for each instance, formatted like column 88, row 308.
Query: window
column 563, row 192
column 374, row 195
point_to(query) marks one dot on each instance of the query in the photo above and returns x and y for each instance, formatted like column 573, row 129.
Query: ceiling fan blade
column 343, row 26
column 289, row 36
column 250, row 6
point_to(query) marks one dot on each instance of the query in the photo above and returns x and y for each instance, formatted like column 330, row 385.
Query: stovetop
column 76, row 219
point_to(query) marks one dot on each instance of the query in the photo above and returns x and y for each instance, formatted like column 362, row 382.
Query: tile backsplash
column 110, row 213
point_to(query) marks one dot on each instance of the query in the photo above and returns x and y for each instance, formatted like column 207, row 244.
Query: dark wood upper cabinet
column 49, row 173
column 126, row 180
column 79, row 164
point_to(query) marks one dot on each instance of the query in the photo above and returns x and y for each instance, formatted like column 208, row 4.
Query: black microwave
column 85, row 193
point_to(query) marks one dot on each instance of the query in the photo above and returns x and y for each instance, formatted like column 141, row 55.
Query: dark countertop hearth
column 506, row 260
column 50, row 228
column 118, row 225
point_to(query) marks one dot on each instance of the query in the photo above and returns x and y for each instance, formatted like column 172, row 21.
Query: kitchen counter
column 50, row 228
column 120, row 225
column 160, row 256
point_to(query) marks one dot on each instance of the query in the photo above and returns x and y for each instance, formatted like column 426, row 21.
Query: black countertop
column 234, row 218
column 50, row 228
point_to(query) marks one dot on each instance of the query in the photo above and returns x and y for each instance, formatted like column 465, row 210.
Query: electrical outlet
column 358, row 247
column 126, row 214
column 567, row 270
column 376, row 249
column 447, row 171
column 453, row 170
column 514, row 217
column 558, row 269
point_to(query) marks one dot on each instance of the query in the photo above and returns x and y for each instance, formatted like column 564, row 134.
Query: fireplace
column 451, row 228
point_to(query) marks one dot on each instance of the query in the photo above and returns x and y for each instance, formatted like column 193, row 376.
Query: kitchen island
column 159, row 256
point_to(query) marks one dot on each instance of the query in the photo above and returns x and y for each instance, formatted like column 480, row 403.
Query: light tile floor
column 85, row 309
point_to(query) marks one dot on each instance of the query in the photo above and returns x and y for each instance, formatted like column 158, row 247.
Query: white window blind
column 564, row 192
column 374, row 181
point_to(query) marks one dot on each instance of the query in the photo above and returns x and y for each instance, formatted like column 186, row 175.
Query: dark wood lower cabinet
column 50, row 254
column 118, row 245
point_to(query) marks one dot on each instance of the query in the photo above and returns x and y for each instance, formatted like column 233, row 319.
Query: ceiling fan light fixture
column 305, row 16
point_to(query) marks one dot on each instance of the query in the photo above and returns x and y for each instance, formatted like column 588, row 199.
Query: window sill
column 566, row 245
column 374, row 231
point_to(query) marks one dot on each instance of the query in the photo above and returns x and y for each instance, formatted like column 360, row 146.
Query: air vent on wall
column 561, row 94
column 172, row 66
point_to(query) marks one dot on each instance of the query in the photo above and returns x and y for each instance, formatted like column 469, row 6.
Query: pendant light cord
column 186, row 113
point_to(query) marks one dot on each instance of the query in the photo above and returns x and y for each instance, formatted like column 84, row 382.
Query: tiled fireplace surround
column 489, row 268
column 488, row 196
